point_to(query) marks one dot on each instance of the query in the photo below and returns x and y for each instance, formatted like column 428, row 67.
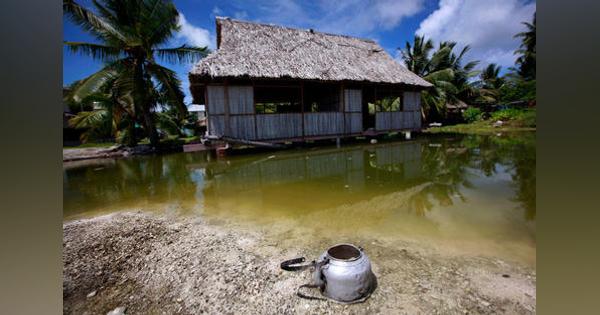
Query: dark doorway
column 368, row 107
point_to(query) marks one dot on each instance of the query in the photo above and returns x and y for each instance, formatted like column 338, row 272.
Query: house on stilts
column 273, row 84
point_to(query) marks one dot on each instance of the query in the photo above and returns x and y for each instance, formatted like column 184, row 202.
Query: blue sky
column 487, row 26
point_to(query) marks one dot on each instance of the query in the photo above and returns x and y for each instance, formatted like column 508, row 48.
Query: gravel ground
column 148, row 264
column 115, row 151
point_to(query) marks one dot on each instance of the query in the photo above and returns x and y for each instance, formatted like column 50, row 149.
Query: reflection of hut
column 347, row 175
column 274, row 83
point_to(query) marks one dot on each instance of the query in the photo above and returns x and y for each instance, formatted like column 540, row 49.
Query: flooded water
column 464, row 194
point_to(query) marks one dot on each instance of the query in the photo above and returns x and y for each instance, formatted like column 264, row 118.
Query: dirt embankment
column 148, row 264
column 115, row 151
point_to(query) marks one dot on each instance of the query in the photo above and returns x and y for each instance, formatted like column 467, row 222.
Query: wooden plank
column 216, row 125
column 397, row 120
column 417, row 119
column 216, row 99
column 227, row 122
column 242, row 127
column 194, row 147
column 353, row 123
column 407, row 122
column 279, row 126
column 318, row 124
column 241, row 99
column 412, row 101
column 352, row 100
column 382, row 121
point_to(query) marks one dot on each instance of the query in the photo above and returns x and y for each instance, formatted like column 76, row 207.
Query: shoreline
column 148, row 263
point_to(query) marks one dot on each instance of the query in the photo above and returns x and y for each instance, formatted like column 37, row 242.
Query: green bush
column 472, row 114
column 507, row 114
column 524, row 117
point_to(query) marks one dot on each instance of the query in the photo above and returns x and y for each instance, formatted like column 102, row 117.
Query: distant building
column 273, row 83
column 200, row 111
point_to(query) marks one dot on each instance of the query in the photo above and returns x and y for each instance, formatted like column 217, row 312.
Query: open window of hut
column 322, row 97
column 389, row 99
column 277, row 99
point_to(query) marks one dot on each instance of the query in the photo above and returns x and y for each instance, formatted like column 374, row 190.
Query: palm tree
column 418, row 60
column 489, row 84
column 416, row 57
column 490, row 76
column 444, row 69
column 132, row 33
column 465, row 89
column 526, row 61
column 108, row 117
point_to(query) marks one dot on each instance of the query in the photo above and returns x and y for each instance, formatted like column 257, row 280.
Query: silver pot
column 342, row 273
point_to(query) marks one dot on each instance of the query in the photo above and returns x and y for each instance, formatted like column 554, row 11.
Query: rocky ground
column 116, row 151
column 139, row 263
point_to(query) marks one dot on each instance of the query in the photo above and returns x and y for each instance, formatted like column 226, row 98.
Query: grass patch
column 512, row 120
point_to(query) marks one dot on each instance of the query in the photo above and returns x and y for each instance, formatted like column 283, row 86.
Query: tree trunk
column 145, row 102
column 149, row 124
column 132, row 141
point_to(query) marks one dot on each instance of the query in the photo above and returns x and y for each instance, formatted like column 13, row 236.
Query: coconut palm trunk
column 142, row 97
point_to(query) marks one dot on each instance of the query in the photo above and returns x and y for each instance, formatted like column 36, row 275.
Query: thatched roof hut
column 254, row 50
column 274, row 83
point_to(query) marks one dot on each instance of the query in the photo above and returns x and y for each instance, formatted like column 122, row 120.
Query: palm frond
column 96, row 51
column 440, row 75
column 90, row 21
column 182, row 54
column 161, row 20
column 168, row 85
column 92, row 84
column 89, row 119
column 167, row 123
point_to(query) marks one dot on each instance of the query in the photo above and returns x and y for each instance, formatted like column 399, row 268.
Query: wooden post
column 343, row 109
column 302, row 106
column 227, row 131
column 207, row 132
column 254, row 111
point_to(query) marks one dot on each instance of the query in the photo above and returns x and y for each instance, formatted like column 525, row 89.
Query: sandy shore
column 150, row 264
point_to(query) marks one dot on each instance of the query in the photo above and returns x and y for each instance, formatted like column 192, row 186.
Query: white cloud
column 488, row 26
column 216, row 11
column 240, row 15
column 351, row 17
column 193, row 35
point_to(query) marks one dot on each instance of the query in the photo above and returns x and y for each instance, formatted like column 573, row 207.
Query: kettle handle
column 319, row 281
column 287, row 265
column 309, row 297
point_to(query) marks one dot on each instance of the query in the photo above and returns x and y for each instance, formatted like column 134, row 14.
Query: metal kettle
column 342, row 273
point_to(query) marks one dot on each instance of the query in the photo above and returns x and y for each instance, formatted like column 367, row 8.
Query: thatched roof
column 457, row 105
column 256, row 50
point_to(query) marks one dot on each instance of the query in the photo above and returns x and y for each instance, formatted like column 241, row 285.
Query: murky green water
column 473, row 194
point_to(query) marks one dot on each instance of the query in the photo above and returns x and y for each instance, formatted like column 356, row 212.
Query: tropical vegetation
column 456, row 80
column 133, row 96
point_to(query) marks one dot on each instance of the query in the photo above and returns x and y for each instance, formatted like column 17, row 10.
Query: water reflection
column 355, row 172
column 452, row 187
